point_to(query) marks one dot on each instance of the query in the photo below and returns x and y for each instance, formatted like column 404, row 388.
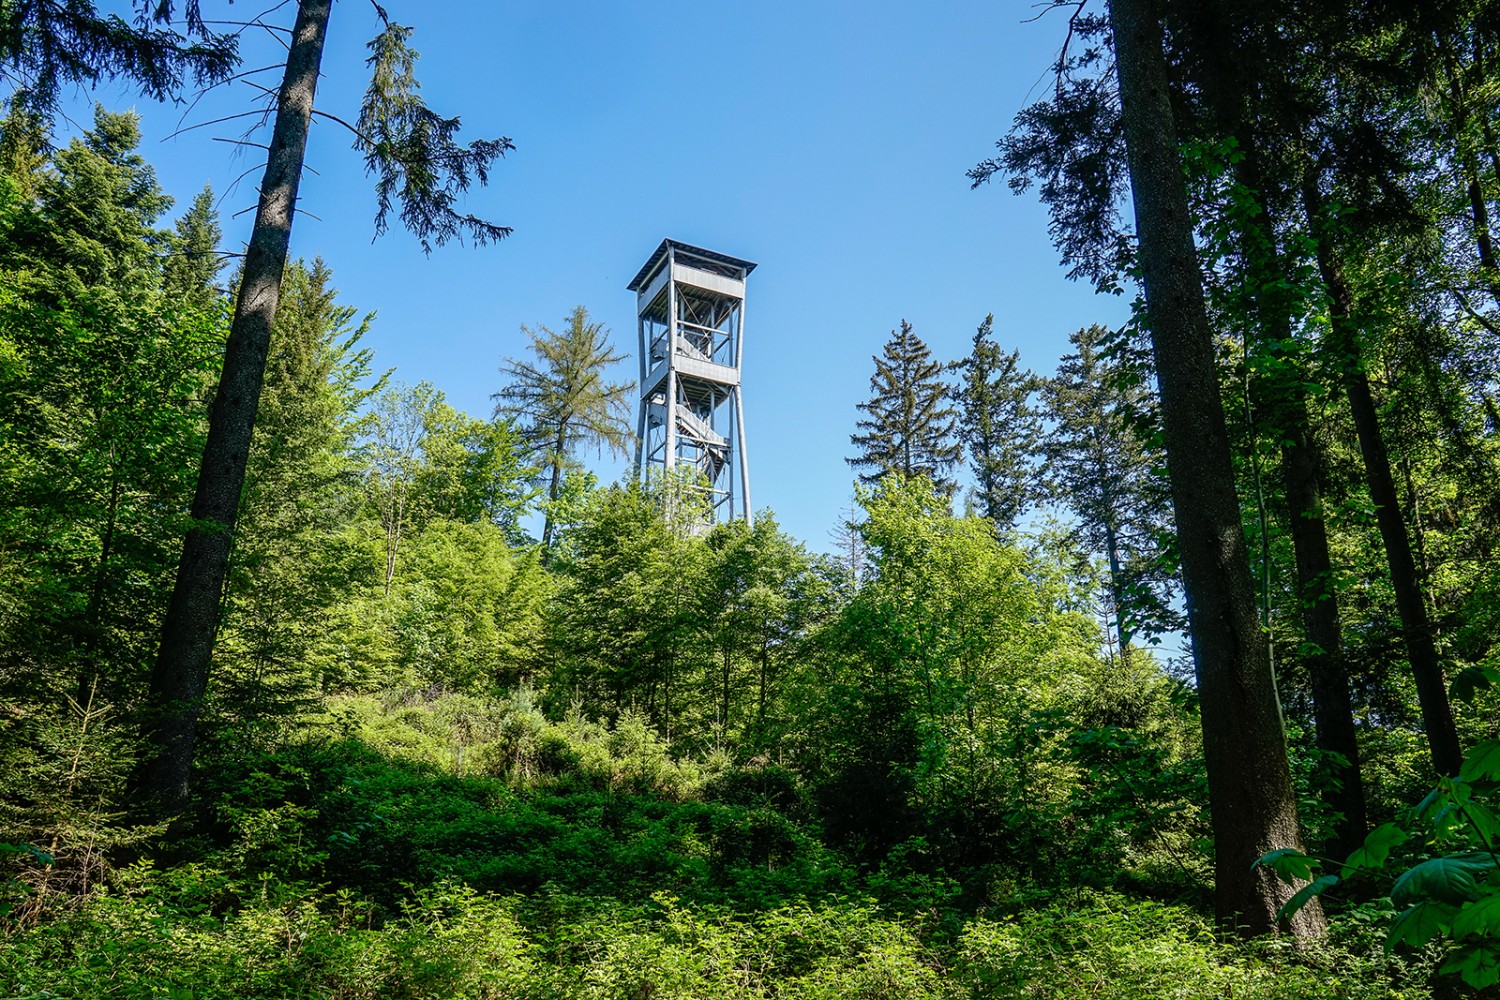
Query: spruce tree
column 193, row 267
column 909, row 428
column 1001, row 429
column 1103, row 472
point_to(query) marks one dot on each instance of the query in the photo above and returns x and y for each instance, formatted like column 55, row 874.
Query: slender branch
column 241, row 142
column 216, row 121
column 339, row 121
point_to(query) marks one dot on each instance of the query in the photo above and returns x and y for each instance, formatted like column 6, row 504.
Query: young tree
column 909, row 429
column 100, row 405
column 194, row 262
column 1001, row 429
column 416, row 159
column 563, row 401
column 291, row 560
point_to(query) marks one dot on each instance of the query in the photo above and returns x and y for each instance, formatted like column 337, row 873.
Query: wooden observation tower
column 691, row 308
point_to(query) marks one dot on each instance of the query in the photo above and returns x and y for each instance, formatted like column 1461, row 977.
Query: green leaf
column 1419, row 924
column 1453, row 878
column 1378, row 846
column 1305, row 894
column 1482, row 763
column 1288, row 862
column 1472, row 680
column 1480, row 918
column 1484, row 821
column 1479, row 965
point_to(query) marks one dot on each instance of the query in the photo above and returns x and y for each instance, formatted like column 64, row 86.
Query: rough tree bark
column 1250, row 789
column 180, row 674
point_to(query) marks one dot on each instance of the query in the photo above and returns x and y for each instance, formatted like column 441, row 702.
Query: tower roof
column 708, row 260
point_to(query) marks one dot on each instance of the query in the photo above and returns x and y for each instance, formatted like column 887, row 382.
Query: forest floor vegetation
column 428, row 844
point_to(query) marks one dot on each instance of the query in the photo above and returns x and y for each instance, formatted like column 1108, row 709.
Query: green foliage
column 1001, row 428
column 1107, row 473
column 908, row 427
column 102, row 398
column 1453, row 895
column 562, row 403
column 413, row 152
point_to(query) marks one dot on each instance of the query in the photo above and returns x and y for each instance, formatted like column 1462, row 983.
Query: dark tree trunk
column 1328, row 680
column 1328, row 677
column 1250, row 790
column 553, row 488
column 180, row 674
column 1116, row 588
column 1416, row 628
column 725, row 719
column 760, row 708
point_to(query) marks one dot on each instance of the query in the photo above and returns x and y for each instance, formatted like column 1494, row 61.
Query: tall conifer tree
column 190, row 271
column 909, row 428
column 1103, row 472
column 562, row 401
column 1001, row 429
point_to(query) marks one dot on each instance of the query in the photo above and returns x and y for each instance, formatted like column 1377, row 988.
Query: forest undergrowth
column 421, row 844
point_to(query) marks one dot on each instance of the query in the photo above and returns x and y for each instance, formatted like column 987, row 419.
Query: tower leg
column 740, row 451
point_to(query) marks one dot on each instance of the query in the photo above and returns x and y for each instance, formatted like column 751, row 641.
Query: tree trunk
column 1116, row 585
column 558, row 451
column 180, row 674
column 725, row 719
column 1328, row 678
column 1250, row 791
column 760, row 707
column 1323, row 656
column 1416, row 629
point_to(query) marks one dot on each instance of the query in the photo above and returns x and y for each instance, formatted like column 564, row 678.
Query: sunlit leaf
column 1478, row 918
column 1378, row 846
column 1305, row 894
column 1482, row 762
column 1450, row 879
column 1288, row 862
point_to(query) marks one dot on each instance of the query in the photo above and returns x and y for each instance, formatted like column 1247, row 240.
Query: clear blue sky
column 827, row 142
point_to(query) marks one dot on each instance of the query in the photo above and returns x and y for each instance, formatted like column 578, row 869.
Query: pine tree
column 1000, row 428
column 910, row 428
column 1103, row 472
column 562, row 401
column 189, row 274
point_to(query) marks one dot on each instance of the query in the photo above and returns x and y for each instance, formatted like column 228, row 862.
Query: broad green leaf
column 1450, row 879
column 1288, row 862
column 1484, row 822
column 1482, row 763
column 1479, row 965
column 1378, row 846
column 1479, row 918
column 1419, row 924
column 1305, row 895
column 1473, row 679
